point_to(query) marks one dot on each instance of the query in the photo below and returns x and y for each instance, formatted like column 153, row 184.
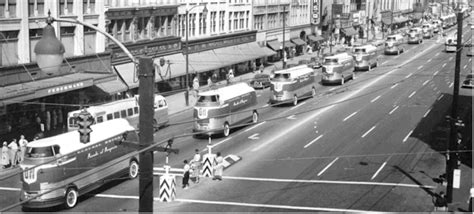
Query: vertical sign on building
column 316, row 12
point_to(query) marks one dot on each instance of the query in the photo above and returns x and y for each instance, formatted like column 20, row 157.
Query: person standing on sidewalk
column 22, row 143
column 218, row 168
column 186, row 169
column 5, row 156
column 13, row 152
column 196, row 166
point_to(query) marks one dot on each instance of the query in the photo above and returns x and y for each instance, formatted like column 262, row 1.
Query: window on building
column 247, row 17
column 169, row 29
column 183, row 25
column 221, row 20
column 230, row 21
column 8, row 9
column 213, row 21
column 192, row 25
column 67, row 38
column 204, row 23
column 119, row 26
column 35, row 8
column 201, row 24
column 89, row 6
column 242, row 19
column 89, row 40
column 65, row 7
column 236, row 19
column 127, row 35
column 8, row 47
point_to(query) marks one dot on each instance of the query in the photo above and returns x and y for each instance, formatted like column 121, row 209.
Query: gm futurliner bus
column 290, row 84
column 68, row 168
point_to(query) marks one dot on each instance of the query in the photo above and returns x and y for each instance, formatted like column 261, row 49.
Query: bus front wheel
column 226, row 129
column 71, row 197
column 255, row 117
column 133, row 169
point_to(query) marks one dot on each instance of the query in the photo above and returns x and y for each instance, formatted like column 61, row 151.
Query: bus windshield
column 41, row 152
column 208, row 99
column 413, row 31
column 390, row 39
column 359, row 50
column 281, row 76
column 330, row 61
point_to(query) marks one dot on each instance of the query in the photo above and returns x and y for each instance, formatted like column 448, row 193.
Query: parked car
column 469, row 81
column 260, row 81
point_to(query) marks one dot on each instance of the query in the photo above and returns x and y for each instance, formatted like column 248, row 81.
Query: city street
column 366, row 145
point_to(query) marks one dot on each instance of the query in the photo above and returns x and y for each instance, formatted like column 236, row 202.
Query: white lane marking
column 291, row 117
column 344, row 98
column 265, row 106
column 254, row 136
column 408, row 135
column 367, row 132
column 430, row 60
column 412, row 93
column 116, row 196
column 384, row 62
column 451, row 85
column 434, row 74
column 327, row 167
column 426, row 82
column 427, row 112
column 349, row 116
column 246, row 130
column 465, row 66
column 332, row 89
column 393, row 86
column 437, row 54
column 409, row 75
column 419, row 67
column 380, row 169
column 396, row 107
column 443, row 65
column 316, row 139
column 440, row 96
column 375, row 99
column 272, row 206
column 296, row 106
column 214, row 145
column 10, row 189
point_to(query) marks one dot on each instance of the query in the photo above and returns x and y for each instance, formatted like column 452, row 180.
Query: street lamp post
column 50, row 56
column 284, row 51
column 204, row 13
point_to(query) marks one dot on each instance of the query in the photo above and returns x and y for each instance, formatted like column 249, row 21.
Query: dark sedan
column 469, row 81
column 260, row 81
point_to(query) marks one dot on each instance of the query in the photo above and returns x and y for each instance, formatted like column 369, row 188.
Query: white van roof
column 366, row 47
column 341, row 56
column 229, row 92
column 395, row 36
column 296, row 71
column 69, row 141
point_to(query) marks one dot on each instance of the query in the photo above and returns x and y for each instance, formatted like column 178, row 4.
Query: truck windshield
column 208, row 99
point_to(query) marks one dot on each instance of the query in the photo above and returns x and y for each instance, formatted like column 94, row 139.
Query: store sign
column 64, row 88
column 224, row 42
column 151, row 49
column 387, row 17
column 316, row 12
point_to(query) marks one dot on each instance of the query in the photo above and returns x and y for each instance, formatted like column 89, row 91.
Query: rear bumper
column 43, row 204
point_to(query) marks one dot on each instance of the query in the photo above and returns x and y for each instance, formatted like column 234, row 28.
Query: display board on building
column 336, row 9
column 387, row 17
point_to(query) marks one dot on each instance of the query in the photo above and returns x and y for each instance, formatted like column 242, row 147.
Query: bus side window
column 123, row 113
column 100, row 119
column 109, row 117
column 164, row 103
column 135, row 109
column 56, row 149
column 130, row 112
column 116, row 115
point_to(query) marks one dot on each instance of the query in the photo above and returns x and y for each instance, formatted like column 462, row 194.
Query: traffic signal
column 84, row 121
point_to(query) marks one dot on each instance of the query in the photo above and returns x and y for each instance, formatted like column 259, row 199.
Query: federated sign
column 336, row 9
column 387, row 17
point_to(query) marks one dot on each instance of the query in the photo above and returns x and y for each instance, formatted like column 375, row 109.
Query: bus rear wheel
column 295, row 100
column 313, row 92
column 71, row 197
column 342, row 80
column 133, row 169
column 255, row 117
column 226, row 129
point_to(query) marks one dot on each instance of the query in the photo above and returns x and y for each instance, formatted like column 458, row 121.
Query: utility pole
column 331, row 30
column 451, row 153
column 368, row 20
column 146, row 78
column 284, row 51
column 393, row 9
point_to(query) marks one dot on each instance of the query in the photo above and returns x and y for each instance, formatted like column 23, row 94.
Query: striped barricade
column 209, row 161
column 167, row 188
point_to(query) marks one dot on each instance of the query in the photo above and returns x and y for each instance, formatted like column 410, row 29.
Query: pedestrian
column 261, row 67
column 230, row 76
column 196, row 166
column 469, row 201
column 22, row 143
column 5, row 156
column 218, row 168
column 13, row 152
column 209, row 81
column 440, row 202
column 196, row 85
column 186, row 169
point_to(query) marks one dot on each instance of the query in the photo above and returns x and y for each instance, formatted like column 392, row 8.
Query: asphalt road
column 351, row 148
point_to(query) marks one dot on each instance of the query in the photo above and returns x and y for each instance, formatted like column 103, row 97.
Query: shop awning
column 315, row 38
column 400, row 19
column 128, row 72
column 349, row 31
column 50, row 86
column 253, row 51
column 175, row 66
column 231, row 55
column 298, row 41
column 268, row 51
column 112, row 87
column 275, row 45
column 204, row 61
column 289, row 44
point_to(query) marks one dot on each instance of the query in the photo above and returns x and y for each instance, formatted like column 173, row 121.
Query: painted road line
column 332, row 89
column 378, row 171
column 437, row 54
column 412, row 93
column 265, row 106
column 408, row 135
column 393, row 86
column 465, row 66
column 427, row 112
column 345, row 97
column 443, row 65
column 450, row 58
column 272, row 206
column 246, row 130
column 396, row 107
column 291, row 117
column 350, row 116
column 426, row 82
column 221, row 142
column 430, row 59
column 296, row 106
column 258, row 95
column 366, row 133
column 254, row 136
column 434, row 74
column 9, row 189
column 116, row 196
column 316, row 139
column 440, row 96
column 327, row 167
column 375, row 99
column 409, row 75
column 435, row 88
column 384, row 62
column 451, row 85
column 419, row 67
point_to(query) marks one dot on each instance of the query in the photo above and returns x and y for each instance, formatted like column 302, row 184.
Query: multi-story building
column 27, row 94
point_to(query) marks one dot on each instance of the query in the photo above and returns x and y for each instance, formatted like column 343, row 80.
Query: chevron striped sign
column 209, row 161
column 167, row 188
